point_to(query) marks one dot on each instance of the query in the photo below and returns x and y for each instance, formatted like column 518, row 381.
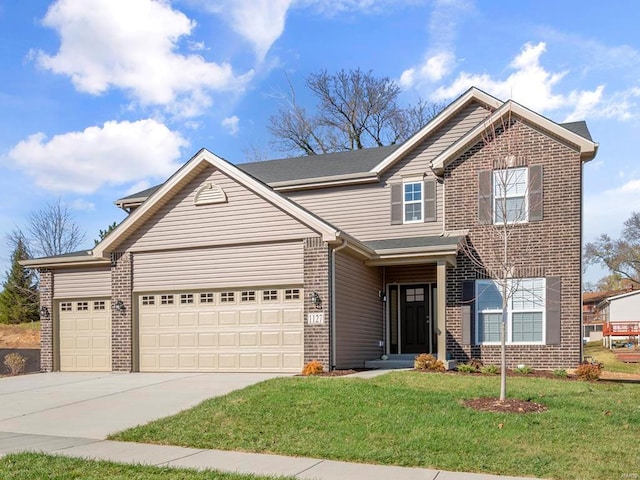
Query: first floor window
column 525, row 310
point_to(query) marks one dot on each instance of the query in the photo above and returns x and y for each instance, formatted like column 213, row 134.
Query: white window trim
column 510, row 312
column 495, row 198
column 413, row 202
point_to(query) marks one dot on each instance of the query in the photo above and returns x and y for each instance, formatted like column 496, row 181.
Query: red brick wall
column 549, row 248
column 121, row 323
column 316, row 279
column 46, row 323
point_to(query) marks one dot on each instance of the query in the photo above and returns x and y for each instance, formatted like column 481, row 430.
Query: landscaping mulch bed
column 510, row 405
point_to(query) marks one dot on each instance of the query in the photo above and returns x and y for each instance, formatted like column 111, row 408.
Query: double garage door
column 233, row 330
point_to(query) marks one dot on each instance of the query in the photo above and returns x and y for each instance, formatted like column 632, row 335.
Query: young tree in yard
column 621, row 256
column 19, row 298
column 355, row 110
column 50, row 231
column 509, row 194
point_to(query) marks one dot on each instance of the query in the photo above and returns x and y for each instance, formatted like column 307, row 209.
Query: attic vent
column 209, row 193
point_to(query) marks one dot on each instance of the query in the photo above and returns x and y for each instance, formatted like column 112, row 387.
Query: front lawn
column 590, row 430
column 38, row 466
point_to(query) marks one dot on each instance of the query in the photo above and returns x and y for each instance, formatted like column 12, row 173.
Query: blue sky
column 102, row 98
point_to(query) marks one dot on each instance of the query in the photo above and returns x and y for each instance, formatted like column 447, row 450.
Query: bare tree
column 50, row 231
column 510, row 194
column 621, row 256
column 355, row 110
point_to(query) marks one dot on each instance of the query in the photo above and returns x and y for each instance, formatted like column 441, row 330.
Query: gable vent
column 209, row 193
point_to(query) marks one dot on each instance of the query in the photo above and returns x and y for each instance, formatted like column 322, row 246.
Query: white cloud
column 440, row 59
column 83, row 205
column 137, row 187
column 115, row 153
column 132, row 45
column 231, row 125
column 606, row 211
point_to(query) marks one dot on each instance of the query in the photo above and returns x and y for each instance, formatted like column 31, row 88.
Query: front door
column 415, row 320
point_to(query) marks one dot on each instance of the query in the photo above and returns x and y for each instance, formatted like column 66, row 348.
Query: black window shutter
column 553, row 298
column 468, row 311
column 430, row 199
column 535, row 193
column 396, row 204
column 485, row 197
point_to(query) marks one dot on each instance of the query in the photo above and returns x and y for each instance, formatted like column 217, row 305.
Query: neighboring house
column 623, row 307
column 340, row 258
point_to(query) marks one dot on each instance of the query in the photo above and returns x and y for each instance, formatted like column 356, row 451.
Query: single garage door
column 249, row 330
column 85, row 335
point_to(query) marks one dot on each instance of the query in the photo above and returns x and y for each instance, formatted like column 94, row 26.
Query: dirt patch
column 510, row 405
column 13, row 336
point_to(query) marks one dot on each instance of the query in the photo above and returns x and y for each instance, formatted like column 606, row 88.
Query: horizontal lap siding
column 223, row 267
column 244, row 217
column 78, row 283
column 359, row 322
column 364, row 210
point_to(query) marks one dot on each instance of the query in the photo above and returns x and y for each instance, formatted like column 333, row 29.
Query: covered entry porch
column 414, row 273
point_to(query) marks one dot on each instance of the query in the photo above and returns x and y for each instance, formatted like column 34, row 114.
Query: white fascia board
column 64, row 262
column 623, row 295
column 410, row 260
column 472, row 94
column 155, row 200
column 587, row 148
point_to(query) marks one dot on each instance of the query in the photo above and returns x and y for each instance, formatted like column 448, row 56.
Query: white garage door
column 231, row 330
column 85, row 335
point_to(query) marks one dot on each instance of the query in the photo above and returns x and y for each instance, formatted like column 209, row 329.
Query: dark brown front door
column 415, row 321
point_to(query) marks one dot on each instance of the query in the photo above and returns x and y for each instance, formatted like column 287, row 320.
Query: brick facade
column 316, row 279
column 46, row 322
column 121, row 322
column 548, row 248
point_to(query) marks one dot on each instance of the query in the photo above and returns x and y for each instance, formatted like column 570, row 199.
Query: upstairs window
column 510, row 195
column 412, row 202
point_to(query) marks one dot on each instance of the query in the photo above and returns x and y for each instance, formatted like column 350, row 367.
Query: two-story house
column 340, row 258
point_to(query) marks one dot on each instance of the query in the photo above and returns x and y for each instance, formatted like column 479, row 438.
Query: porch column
column 442, row 308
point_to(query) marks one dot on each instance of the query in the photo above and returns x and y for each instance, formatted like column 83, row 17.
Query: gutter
column 64, row 261
column 332, row 287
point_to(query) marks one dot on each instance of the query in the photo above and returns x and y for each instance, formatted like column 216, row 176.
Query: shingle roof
column 414, row 242
column 317, row 166
column 579, row 128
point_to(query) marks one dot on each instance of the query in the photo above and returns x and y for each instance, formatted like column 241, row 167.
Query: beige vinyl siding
column 77, row 283
column 426, row 273
column 359, row 322
column 364, row 210
column 222, row 267
column 244, row 217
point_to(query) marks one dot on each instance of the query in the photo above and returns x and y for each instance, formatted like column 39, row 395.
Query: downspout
column 332, row 358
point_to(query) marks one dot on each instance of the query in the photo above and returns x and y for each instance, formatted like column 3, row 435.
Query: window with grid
column 66, row 307
column 206, row 297
column 99, row 305
column 510, row 195
column 292, row 294
column 82, row 306
column 227, row 297
column 166, row 299
column 412, row 202
column 525, row 311
column 248, row 296
column 270, row 295
column 186, row 298
column 148, row 300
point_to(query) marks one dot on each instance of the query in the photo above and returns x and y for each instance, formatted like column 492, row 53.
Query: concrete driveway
column 93, row 405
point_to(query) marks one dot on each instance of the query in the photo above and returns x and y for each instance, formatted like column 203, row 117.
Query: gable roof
column 585, row 146
column 178, row 180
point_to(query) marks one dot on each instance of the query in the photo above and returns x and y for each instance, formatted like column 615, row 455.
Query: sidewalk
column 240, row 462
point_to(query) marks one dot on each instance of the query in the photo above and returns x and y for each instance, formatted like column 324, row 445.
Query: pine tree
column 19, row 298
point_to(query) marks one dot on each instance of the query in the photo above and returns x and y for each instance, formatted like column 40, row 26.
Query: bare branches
column 50, row 231
column 355, row 110
column 621, row 256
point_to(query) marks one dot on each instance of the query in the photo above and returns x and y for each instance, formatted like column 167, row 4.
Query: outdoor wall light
column 316, row 300
column 119, row 306
column 44, row 312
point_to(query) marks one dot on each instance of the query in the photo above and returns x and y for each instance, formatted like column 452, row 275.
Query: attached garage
column 85, row 335
column 257, row 329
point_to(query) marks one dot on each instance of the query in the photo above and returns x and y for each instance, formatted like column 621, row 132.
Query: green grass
column 38, row 466
column 25, row 326
column 590, row 430
column 611, row 363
